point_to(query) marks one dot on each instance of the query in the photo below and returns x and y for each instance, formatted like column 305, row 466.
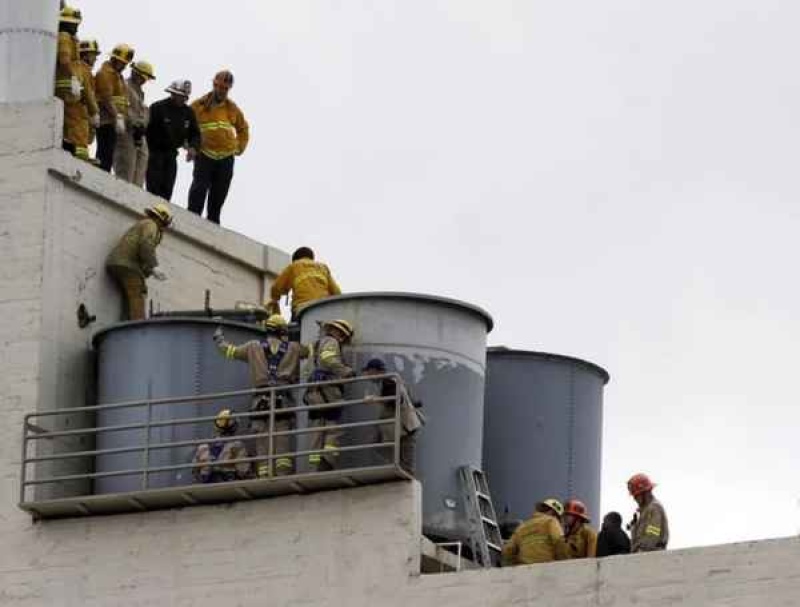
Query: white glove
column 94, row 121
column 75, row 86
column 159, row 275
column 120, row 124
column 218, row 336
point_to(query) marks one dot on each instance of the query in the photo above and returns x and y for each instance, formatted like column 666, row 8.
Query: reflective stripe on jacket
column 112, row 96
column 66, row 59
column 253, row 353
column 651, row 529
column 223, row 127
column 537, row 540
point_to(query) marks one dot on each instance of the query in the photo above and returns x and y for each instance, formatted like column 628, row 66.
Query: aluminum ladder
column 485, row 540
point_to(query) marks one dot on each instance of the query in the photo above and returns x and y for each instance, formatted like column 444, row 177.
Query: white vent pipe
column 28, row 42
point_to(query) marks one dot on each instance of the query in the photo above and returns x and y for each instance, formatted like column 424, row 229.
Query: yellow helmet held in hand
column 160, row 212
column 143, row 68
column 343, row 326
column 70, row 15
column 123, row 53
column 88, row 46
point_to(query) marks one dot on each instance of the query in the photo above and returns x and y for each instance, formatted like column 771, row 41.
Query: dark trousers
column 162, row 166
column 211, row 178
column 106, row 142
column 67, row 146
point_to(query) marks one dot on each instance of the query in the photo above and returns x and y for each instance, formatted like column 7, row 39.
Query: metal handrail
column 33, row 432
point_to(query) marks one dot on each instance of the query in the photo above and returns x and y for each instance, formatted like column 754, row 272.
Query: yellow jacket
column 582, row 543
column 651, row 529
column 537, row 540
column 112, row 96
column 223, row 127
column 308, row 280
column 136, row 250
column 66, row 58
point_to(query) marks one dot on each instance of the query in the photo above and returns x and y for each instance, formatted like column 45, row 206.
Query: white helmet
column 180, row 87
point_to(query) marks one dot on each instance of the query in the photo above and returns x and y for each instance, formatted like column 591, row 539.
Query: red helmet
column 639, row 483
column 577, row 508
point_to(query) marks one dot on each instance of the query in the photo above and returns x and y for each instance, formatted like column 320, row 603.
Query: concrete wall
column 59, row 217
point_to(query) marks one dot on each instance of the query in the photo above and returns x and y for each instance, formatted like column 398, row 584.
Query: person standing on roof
column 210, row 458
column 112, row 97
column 130, row 154
column 539, row 539
column 411, row 420
column 88, row 51
column 612, row 539
column 172, row 126
column 581, row 538
column 71, row 86
column 308, row 280
column 225, row 134
column 649, row 528
column 134, row 259
column 273, row 362
column 328, row 365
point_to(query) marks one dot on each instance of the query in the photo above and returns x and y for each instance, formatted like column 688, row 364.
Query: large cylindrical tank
column 438, row 346
column 28, row 43
column 543, row 429
column 163, row 358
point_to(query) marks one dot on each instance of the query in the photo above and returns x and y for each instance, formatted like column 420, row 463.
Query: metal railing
column 35, row 432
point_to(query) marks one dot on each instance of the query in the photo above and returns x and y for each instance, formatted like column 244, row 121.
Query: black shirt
column 612, row 541
column 171, row 126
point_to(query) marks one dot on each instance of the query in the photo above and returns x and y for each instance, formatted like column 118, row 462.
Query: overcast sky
column 614, row 180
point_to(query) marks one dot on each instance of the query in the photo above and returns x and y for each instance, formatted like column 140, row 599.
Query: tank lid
column 511, row 352
column 170, row 320
column 422, row 297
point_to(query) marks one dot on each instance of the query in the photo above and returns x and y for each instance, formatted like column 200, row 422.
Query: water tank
column 162, row 358
column 438, row 346
column 543, row 429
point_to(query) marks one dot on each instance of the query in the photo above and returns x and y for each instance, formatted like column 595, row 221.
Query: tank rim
column 506, row 351
column 101, row 333
column 447, row 301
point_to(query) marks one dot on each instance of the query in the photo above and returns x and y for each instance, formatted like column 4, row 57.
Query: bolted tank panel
column 169, row 357
column 438, row 346
column 543, row 430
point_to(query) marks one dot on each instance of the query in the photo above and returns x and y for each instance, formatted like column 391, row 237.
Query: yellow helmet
column 88, row 46
column 123, row 53
column 70, row 15
column 145, row 69
column 225, row 422
column 343, row 326
column 276, row 322
column 161, row 212
column 554, row 505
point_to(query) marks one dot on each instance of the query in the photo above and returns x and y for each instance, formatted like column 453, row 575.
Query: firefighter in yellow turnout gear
column 73, row 86
column 649, row 529
column 539, row 539
column 328, row 365
column 211, row 457
column 307, row 279
column 88, row 51
column 273, row 362
column 581, row 538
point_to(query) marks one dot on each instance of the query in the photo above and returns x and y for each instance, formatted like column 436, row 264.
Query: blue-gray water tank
column 543, row 430
column 163, row 358
column 438, row 346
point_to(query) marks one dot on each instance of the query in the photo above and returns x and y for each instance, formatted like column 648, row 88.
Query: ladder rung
column 481, row 494
column 489, row 521
column 494, row 546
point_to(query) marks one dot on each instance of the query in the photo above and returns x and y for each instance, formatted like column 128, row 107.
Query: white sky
column 612, row 180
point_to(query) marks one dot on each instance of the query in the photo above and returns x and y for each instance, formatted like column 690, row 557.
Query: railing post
column 23, row 475
column 397, row 424
column 271, row 439
column 146, row 451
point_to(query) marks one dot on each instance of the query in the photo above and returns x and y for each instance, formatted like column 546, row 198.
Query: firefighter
column 112, row 97
column 88, row 51
column 70, row 86
column 273, row 362
column 211, row 457
column 649, row 527
column 539, row 539
column 134, row 259
column 612, row 539
column 581, row 538
column 130, row 153
column 308, row 280
column 172, row 126
column 225, row 134
column 328, row 365
column 411, row 420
